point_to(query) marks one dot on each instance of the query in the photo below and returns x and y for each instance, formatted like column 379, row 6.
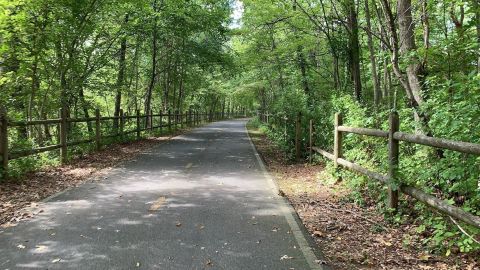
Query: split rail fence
column 391, row 179
column 146, row 122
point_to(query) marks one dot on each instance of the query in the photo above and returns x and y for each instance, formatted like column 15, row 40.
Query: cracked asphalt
column 200, row 201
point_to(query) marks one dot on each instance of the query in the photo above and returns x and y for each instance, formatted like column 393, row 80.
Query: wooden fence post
column 190, row 118
column 122, row 123
column 310, row 157
column 182, row 118
column 151, row 120
column 337, row 147
column 4, row 141
column 393, row 157
column 63, row 135
column 161, row 122
column 138, row 124
column 175, row 120
column 169, row 118
column 98, row 134
column 298, row 134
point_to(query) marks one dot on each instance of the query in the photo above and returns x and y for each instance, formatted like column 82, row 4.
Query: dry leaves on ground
column 18, row 197
column 351, row 237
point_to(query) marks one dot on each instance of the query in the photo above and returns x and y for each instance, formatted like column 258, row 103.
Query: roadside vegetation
column 365, row 59
column 351, row 232
column 284, row 58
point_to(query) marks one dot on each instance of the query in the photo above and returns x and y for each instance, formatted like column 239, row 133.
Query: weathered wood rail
column 394, row 137
column 146, row 122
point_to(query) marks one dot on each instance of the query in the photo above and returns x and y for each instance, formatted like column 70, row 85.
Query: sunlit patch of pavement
column 198, row 201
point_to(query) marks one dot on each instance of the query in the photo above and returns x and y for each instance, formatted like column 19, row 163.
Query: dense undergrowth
column 449, row 175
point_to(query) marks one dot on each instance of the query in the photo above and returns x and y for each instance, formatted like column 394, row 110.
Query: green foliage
column 286, row 59
column 271, row 44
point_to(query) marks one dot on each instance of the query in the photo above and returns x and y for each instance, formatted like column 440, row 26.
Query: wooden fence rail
column 394, row 137
column 142, row 123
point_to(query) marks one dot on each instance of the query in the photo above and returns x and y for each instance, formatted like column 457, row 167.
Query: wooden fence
column 146, row 122
column 394, row 137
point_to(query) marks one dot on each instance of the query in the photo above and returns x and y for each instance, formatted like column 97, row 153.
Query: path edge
column 309, row 250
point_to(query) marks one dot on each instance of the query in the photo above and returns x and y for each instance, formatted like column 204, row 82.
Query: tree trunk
column 153, row 75
column 85, row 108
column 302, row 64
column 411, row 82
column 354, row 49
column 120, row 77
column 407, row 46
column 377, row 93
column 336, row 72
column 476, row 7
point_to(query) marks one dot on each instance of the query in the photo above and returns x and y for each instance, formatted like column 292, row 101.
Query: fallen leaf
column 285, row 257
column 158, row 204
column 21, row 246
column 424, row 257
column 40, row 248
column 56, row 260
column 178, row 224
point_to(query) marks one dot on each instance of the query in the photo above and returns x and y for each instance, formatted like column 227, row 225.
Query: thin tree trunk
column 476, row 7
column 354, row 49
column 120, row 77
column 153, row 75
column 85, row 106
column 336, row 72
column 377, row 93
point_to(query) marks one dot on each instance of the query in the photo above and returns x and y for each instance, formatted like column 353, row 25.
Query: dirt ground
column 19, row 197
column 351, row 237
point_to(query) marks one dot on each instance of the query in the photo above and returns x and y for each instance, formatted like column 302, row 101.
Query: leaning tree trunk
column 407, row 46
column 411, row 82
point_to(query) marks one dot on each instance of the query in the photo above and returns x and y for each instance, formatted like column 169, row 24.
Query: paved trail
column 214, row 207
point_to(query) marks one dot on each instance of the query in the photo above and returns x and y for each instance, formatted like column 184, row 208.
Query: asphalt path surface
column 202, row 200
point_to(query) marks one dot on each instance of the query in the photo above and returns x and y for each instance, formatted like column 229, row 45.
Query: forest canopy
column 366, row 59
column 363, row 58
column 80, row 55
